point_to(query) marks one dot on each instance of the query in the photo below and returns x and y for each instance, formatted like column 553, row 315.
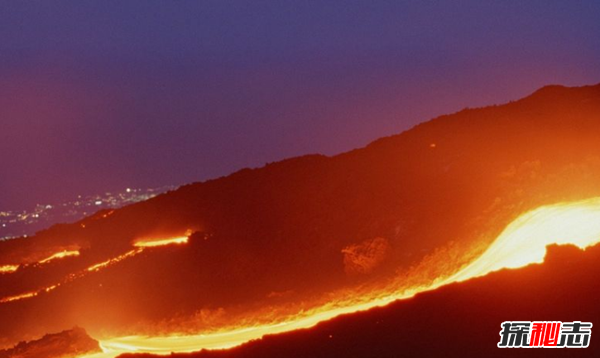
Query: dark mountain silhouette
column 459, row 320
column 304, row 226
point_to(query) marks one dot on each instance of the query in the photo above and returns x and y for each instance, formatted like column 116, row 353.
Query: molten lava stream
column 8, row 268
column 162, row 242
column 140, row 247
column 60, row 255
column 523, row 242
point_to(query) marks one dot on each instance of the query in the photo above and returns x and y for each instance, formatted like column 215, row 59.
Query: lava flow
column 5, row 269
column 60, row 255
column 140, row 247
column 8, row 268
column 523, row 242
column 162, row 242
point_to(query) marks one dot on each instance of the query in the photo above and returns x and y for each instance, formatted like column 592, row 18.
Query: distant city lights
column 22, row 223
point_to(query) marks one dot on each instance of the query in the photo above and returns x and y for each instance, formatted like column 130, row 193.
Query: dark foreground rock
column 65, row 344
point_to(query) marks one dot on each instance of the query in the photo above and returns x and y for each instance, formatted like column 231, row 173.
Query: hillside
column 460, row 320
column 303, row 227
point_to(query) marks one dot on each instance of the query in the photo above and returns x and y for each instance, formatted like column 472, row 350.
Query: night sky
column 104, row 95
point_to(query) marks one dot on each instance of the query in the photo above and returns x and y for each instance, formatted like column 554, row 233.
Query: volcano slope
column 459, row 320
column 72, row 343
column 303, row 227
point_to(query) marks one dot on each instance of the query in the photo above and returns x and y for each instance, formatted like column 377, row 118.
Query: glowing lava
column 8, row 268
column 60, row 255
column 18, row 297
column 114, row 260
column 140, row 247
column 162, row 242
column 523, row 242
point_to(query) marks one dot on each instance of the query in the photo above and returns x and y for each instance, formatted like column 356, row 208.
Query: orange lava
column 522, row 243
column 140, row 247
column 60, row 255
column 8, row 268
column 18, row 297
column 107, row 263
column 162, row 242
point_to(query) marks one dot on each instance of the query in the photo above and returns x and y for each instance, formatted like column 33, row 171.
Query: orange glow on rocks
column 523, row 242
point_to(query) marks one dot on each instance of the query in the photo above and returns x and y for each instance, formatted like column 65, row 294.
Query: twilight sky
column 103, row 95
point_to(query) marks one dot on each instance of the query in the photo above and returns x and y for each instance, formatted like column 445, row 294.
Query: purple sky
column 98, row 96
